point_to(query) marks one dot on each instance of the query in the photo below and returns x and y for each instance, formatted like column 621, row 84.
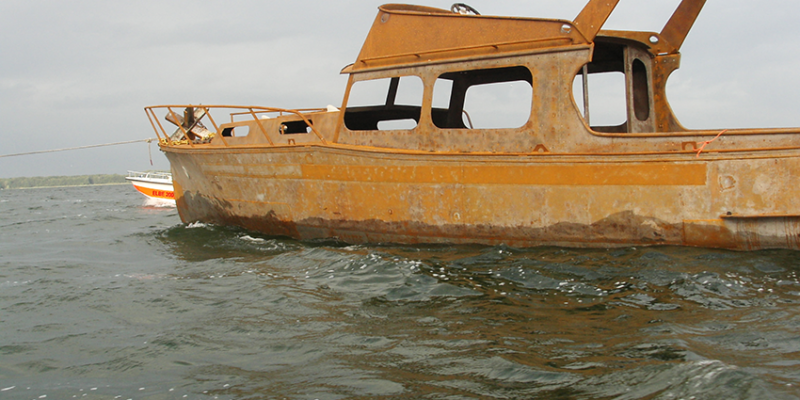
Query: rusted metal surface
column 680, row 23
column 593, row 16
column 551, row 178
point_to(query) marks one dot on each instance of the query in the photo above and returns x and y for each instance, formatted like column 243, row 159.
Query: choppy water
column 102, row 298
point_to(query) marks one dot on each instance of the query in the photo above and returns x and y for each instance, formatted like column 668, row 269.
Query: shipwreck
column 409, row 157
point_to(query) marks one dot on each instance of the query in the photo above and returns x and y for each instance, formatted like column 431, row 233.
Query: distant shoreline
column 66, row 186
column 61, row 181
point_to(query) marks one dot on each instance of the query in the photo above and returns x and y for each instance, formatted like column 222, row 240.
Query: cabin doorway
column 614, row 92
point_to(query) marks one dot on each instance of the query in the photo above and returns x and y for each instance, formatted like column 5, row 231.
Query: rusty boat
column 408, row 157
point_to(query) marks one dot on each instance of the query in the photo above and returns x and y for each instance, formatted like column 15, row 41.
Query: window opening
column 607, row 104
column 384, row 104
column 496, row 98
column 641, row 92
column 295, row 127
column 236, row 131
column 616, row 92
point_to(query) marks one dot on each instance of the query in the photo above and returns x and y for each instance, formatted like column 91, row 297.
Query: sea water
column 103, row 297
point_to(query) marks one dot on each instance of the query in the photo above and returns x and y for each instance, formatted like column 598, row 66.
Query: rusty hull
column 555, row 180
column 359, row 196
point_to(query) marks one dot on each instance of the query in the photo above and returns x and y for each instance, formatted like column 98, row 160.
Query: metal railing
column 150, row 175
column 187, row 125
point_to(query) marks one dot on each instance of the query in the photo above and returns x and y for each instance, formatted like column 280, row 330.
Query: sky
column 79, row 73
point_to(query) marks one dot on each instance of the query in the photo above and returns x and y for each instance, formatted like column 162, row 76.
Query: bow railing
column 190, row 128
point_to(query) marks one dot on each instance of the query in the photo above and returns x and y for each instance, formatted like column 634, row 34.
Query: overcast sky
column 77, row 73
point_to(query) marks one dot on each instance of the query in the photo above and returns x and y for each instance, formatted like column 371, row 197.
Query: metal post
column 586, row 93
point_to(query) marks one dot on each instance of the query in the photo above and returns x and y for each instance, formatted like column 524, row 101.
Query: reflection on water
column 138, row 305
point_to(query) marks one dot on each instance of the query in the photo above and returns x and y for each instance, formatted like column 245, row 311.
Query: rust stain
column 566, row 175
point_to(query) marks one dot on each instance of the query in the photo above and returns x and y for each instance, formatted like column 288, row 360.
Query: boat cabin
column 464, row 80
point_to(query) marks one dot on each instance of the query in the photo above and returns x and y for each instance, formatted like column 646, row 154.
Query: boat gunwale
column 150, row 180
column 707, row 155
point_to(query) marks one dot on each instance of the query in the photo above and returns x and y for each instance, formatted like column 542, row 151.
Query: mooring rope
column 708, row 142
column 79, row 148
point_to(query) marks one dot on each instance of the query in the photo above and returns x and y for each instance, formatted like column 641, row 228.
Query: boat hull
column 154, row 190
column 355, row 195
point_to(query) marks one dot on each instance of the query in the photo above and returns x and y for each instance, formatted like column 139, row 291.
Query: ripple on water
column 142, row 306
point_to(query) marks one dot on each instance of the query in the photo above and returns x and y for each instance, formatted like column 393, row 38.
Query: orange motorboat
column 156, row 186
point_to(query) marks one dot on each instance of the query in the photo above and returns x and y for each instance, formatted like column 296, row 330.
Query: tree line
column 44, row 181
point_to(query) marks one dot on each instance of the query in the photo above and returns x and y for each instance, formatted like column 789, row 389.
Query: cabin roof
column 408, row 35
column 404, row 35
